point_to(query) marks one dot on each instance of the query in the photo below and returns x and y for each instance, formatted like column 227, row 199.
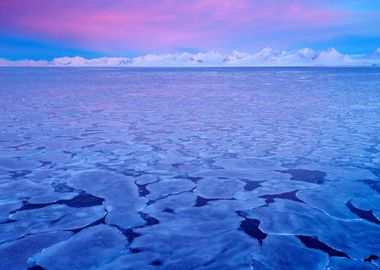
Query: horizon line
column 267, row 56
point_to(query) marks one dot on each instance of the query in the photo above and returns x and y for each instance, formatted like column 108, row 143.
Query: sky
column 44, row 29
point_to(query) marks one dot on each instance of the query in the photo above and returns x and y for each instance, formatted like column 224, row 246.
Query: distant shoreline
column 189, row 67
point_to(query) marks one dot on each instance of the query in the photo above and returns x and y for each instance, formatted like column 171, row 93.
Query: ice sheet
column 212, row 168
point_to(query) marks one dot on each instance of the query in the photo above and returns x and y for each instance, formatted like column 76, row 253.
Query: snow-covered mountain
column 264, row 57
column 376, row 54
column 80, row 61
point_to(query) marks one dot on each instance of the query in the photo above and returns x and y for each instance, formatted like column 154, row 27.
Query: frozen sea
column 189, row 168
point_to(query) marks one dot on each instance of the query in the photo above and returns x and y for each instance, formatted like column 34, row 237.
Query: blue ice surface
column 189, row 168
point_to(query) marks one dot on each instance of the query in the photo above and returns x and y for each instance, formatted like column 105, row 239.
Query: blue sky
column 44, row 29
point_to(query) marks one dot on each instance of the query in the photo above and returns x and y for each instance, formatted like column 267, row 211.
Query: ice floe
column 171, row 168
column 15, row 255
column 120, row 193
column 88, row 250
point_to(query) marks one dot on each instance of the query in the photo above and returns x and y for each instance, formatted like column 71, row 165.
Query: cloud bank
column 264, row 57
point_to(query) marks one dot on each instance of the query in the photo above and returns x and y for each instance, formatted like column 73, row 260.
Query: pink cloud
column 157, row 25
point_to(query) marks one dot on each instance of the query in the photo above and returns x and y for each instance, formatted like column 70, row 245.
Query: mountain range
column 263, row 57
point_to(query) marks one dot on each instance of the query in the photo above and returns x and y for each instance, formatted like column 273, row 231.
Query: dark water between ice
column 209, row 168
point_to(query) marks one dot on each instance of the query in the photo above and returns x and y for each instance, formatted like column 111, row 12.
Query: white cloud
column 264, row 57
